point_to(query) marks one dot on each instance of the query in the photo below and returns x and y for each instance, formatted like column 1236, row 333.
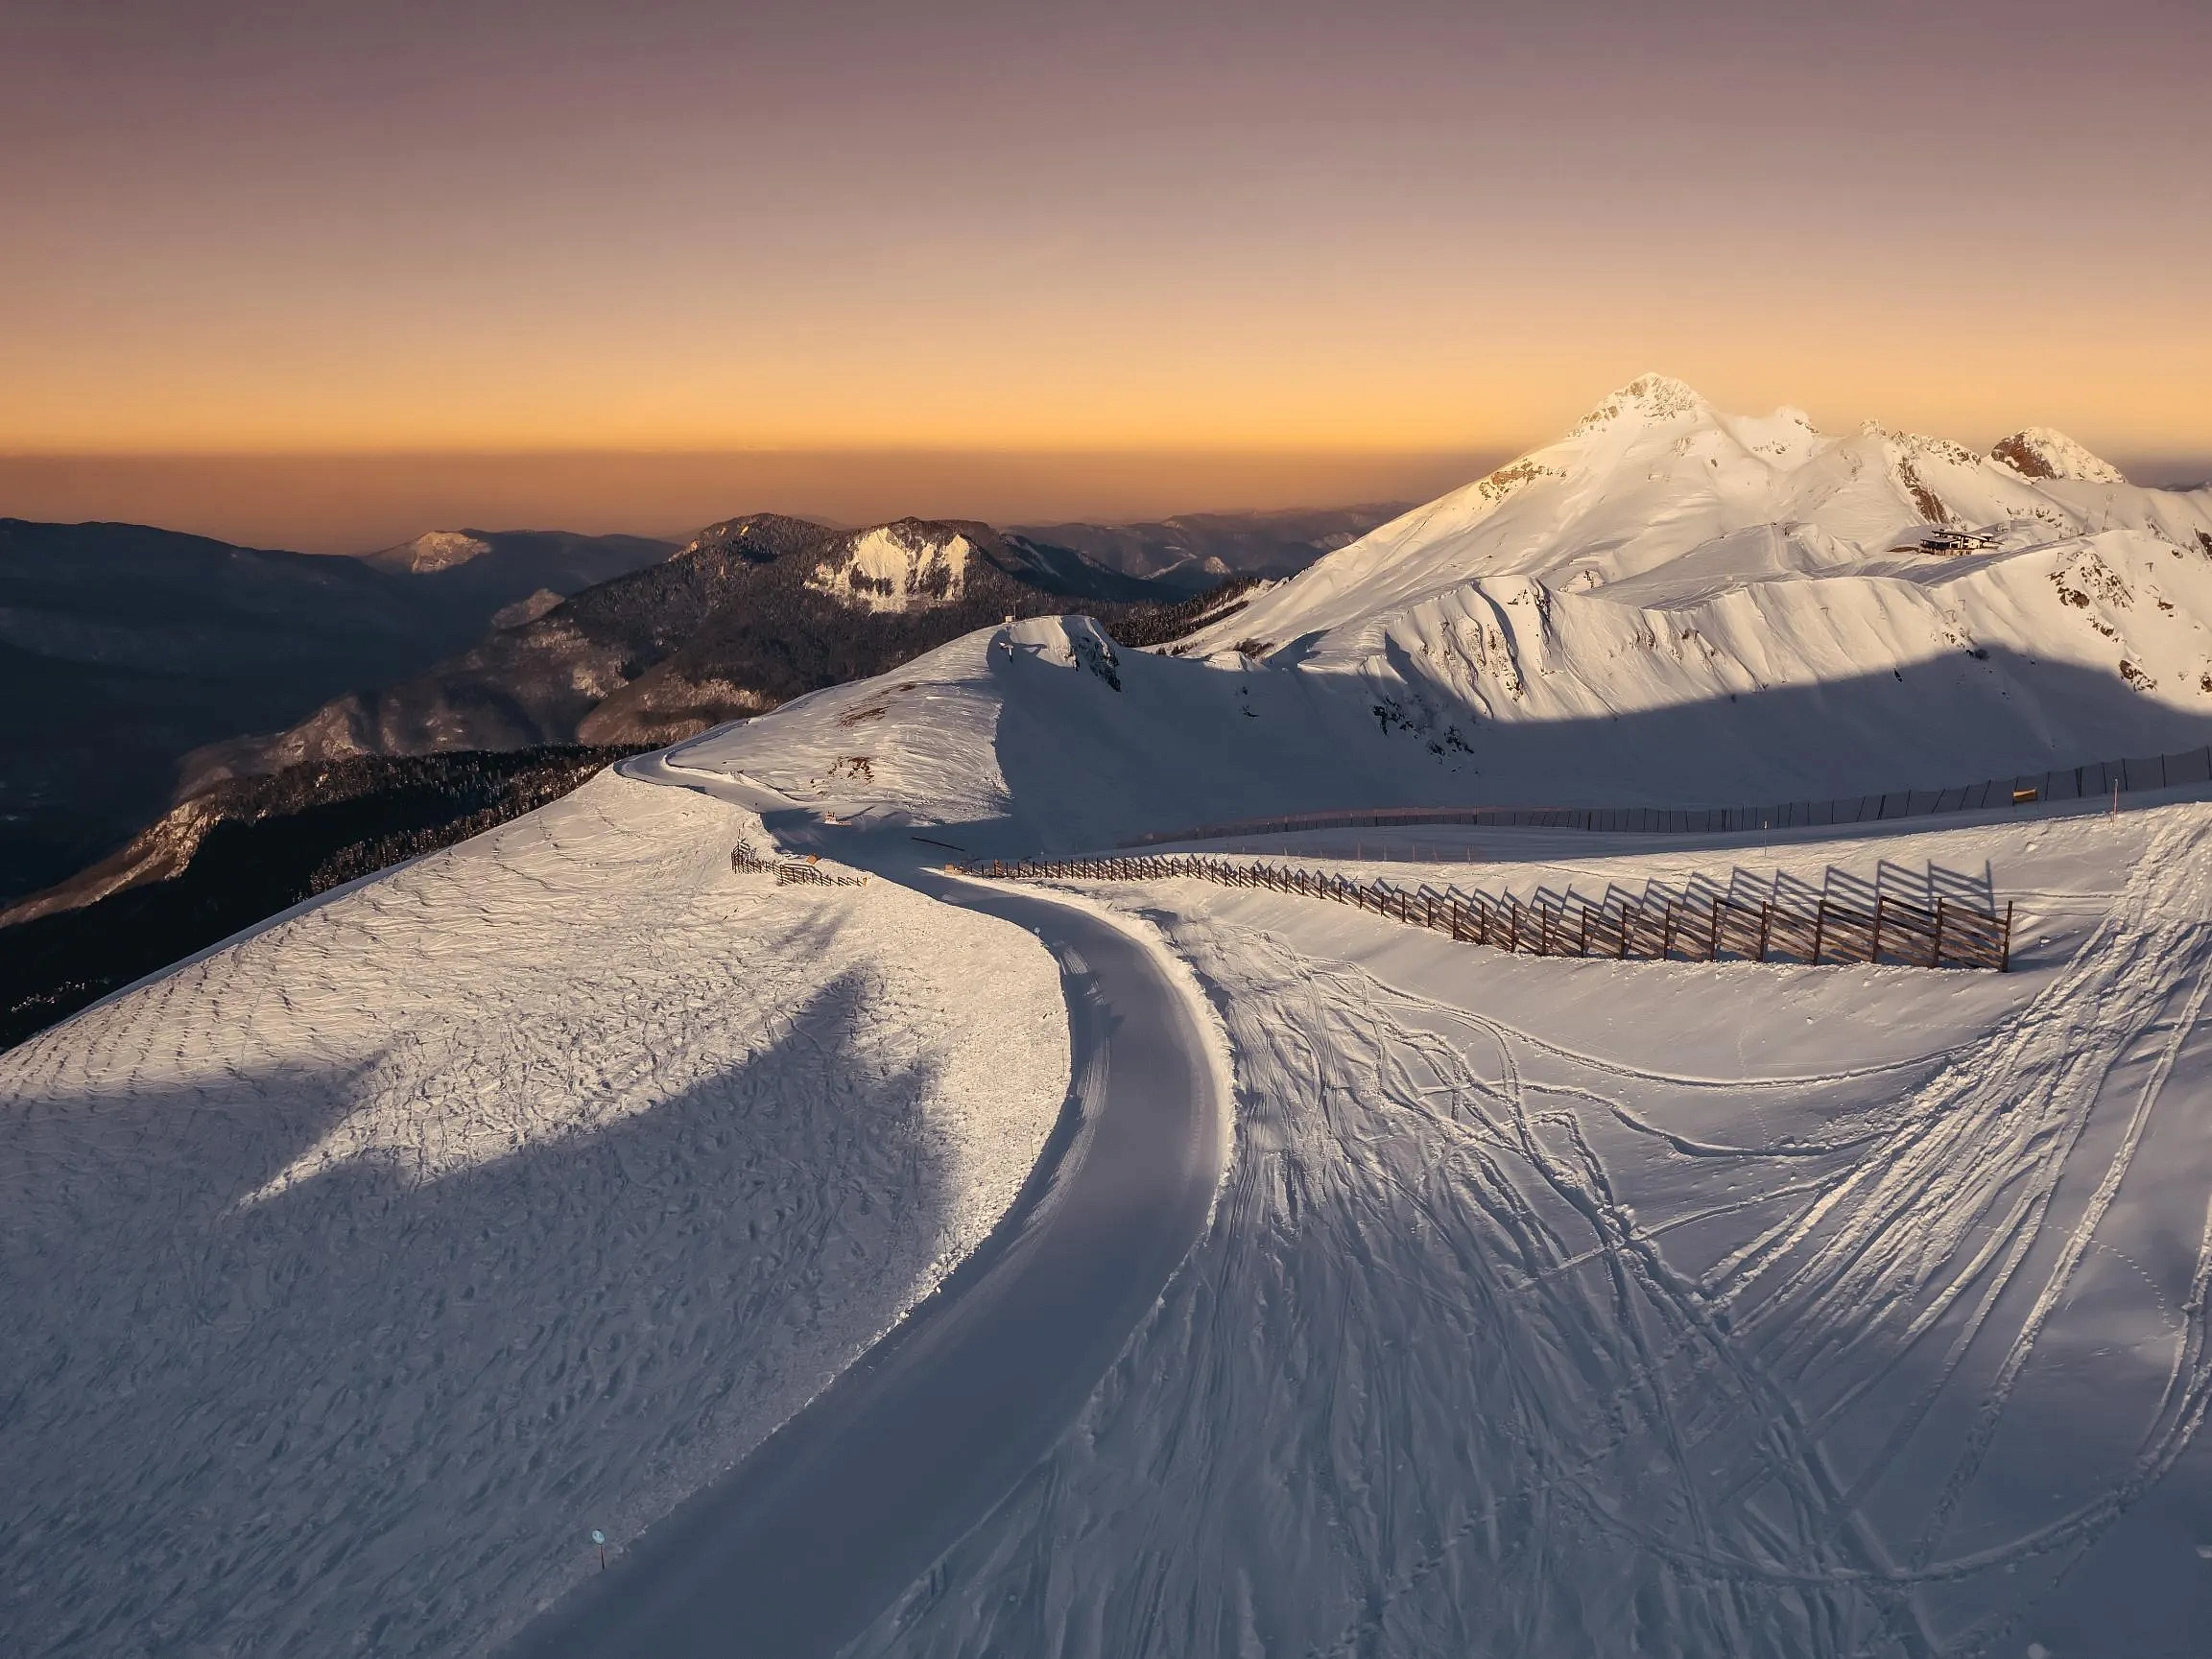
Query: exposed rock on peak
column 2038, row 452
column 1650, row 397
column 898, row 566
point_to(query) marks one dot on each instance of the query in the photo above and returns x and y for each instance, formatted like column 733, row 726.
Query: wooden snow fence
column 804, row 872
column 1649, row 927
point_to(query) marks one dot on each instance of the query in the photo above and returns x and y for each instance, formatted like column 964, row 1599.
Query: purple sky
column 246, row 229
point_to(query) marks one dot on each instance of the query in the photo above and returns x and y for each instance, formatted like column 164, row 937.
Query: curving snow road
column 794, row 1552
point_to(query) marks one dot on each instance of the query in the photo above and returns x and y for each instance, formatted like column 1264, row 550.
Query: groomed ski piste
column 1546, row 1307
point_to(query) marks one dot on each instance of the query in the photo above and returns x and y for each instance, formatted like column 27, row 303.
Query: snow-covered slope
column 1666, row 553
column 1559, row 1308
column 1673, row 605
column 1555, row 1307
column 352, row 1273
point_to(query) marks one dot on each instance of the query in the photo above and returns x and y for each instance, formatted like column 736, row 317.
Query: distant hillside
column 123, row 648
column 486, row 570
column 1197, row 551
column 750, row 613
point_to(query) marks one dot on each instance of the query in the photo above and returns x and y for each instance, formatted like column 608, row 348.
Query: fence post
column 1765, row 918
column 1820, row 927
column 1935, row 947
column 1874, row 952
column 1713, row 938
column 1667, row 933
column 2004, row 960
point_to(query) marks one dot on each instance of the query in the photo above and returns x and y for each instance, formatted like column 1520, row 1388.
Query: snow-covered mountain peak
column 434, row 550
column 1666, row 554
column 1788, row 435
column 2038, row 452
column 1647, row 400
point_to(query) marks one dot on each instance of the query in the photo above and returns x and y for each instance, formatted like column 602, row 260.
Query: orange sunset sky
column 323, row 276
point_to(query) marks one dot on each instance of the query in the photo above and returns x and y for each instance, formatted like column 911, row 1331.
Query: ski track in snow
column 356, row 1270
column 1496, row 1347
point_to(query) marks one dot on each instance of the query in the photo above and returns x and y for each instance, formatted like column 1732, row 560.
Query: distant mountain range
column 243, row 705
column 123, row 648
column 748, row 614
column 162, row 662
column 489, row 570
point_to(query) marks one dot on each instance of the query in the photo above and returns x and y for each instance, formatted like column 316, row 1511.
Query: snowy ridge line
column 2095, row 781
column 1647, row 927
column 804, row 871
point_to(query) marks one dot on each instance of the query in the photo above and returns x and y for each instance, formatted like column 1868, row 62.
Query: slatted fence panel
column 1648, row 927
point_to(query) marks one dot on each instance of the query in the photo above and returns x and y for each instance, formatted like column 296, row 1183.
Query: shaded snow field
column 355, row 1270
column 1559, row 1307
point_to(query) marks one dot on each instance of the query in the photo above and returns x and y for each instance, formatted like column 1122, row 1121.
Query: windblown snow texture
column 356, row 1270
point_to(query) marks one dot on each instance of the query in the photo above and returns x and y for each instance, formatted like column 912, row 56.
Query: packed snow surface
column 1558, row 1307
column 356, row 1270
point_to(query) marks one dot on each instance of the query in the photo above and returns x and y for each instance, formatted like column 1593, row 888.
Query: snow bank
column 354, row 1271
